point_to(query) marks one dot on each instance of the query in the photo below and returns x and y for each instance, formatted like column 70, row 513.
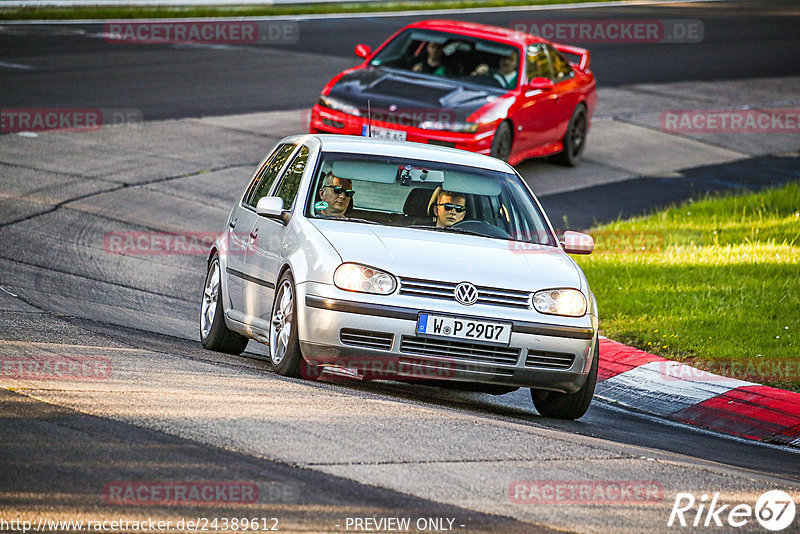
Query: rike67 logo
column 774, row 510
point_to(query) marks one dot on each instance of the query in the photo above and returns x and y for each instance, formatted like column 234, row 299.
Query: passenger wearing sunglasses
column 450, row 208
column 337, row 193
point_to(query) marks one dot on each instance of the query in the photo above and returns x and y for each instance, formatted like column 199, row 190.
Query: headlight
column 338, row 105
column 568, row 302
column 354, row 277
column 463, row 127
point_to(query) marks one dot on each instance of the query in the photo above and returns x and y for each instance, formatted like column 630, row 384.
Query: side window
column 268, row 175
column 536, row 62
column 290, row 183
column 561, row 68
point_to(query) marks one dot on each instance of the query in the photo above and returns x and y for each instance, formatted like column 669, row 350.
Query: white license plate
column 384, row 133
column 462, row 328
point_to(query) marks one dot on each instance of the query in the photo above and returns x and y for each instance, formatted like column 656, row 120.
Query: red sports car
column 470, row 86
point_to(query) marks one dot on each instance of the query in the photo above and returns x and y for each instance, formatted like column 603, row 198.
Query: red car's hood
column 405, row 97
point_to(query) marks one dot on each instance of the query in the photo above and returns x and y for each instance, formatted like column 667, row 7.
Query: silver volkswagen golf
column 403, row 261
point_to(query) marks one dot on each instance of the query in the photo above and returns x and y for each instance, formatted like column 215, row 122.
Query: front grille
column 366, row 339
column 441, row 143
column 446, row 291
column 332, row 123
column 549, row 360
column 462, row 350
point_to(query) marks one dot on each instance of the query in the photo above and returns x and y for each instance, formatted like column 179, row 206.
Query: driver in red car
column 507, row 72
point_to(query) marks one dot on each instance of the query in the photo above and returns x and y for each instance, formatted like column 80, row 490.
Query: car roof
column 473, row 29
column 404, row 149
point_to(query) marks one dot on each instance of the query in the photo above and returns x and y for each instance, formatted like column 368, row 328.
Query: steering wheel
column 483, row 79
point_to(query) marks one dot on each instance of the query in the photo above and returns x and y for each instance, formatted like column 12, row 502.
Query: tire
column 502, row 140
column 575, row 139
column 568, row 405
column 284, row 347
column 214, row 333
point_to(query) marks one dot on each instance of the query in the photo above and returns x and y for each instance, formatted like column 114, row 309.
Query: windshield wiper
column 356, row 219
column 451, row 229
column 468, row 232
column 353, row 219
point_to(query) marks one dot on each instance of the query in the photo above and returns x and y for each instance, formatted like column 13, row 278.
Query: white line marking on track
column 384, row 14
column 6, row 65
column 4, row 290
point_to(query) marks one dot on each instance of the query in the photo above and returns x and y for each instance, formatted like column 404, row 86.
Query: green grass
column 714, row 283
column 134, row 12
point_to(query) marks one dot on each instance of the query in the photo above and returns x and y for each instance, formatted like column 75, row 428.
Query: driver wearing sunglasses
column 337, row 193
column 450, row 208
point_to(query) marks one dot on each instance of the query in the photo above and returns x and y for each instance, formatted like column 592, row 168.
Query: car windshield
column 427, row 195
column 452, row 56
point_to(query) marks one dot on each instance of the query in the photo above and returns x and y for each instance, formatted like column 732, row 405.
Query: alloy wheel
column 210, row 296
column 282, row 322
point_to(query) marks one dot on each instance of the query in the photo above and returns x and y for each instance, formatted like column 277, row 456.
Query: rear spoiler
column 582, row 53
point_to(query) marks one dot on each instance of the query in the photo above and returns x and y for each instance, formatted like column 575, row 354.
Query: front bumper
column 379, row 340
column 326, row 120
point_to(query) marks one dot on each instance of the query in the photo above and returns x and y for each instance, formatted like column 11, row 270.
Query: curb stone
column 681, row 393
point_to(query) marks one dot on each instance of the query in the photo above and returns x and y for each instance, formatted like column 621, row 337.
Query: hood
column 405, row 97
column 450, row 256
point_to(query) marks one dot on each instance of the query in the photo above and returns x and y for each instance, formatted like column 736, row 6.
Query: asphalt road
column 73, row 66
column 40, row 437
column 319, row 452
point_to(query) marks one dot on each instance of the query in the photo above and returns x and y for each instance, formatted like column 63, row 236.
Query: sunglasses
column 458, row 207
column 338, row 189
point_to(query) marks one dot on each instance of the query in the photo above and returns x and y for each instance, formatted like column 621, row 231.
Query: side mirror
column 272, row 207
column 542, row 84
column 363, row 50
column 577, row 243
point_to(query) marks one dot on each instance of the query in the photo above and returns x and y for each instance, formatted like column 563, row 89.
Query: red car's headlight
column 455, row 126
column 338, row 105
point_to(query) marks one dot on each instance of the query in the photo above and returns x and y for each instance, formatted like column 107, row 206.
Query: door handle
column 232, row 223
column 254, row 234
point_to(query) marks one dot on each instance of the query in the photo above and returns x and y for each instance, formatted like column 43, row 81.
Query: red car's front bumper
column 326, row 120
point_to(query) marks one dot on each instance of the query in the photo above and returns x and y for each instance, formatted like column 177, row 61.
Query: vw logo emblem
column 466, row 294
